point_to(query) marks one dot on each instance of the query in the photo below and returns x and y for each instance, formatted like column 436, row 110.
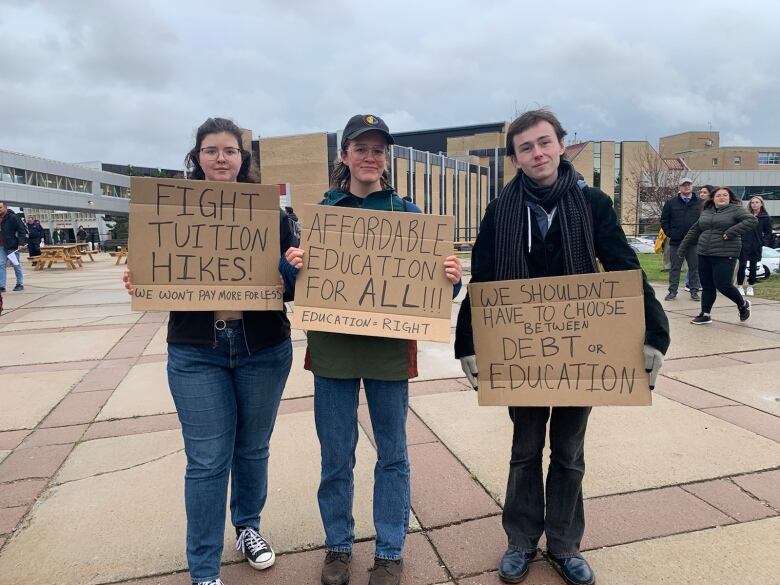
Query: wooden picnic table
column 68, row 254
column 85, row 249
column 119, row 254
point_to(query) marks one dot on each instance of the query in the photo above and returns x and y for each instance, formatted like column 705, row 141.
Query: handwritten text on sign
column 561, row 341
column 374, row 273
column 204, row 246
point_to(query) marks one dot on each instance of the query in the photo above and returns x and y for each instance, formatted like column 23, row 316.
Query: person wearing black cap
column 339, row 363
column 678, row 215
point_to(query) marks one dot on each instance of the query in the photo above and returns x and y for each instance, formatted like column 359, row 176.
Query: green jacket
column 708, row 232
column 336, row 355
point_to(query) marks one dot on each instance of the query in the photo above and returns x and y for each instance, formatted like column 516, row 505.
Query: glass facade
column 115, row 191
column 47, row 180
column 768, row 193
column 51, row 181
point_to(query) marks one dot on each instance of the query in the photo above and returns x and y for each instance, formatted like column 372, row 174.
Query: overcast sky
column 130, row 81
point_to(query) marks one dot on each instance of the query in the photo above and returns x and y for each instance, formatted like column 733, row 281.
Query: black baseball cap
column 362, row 123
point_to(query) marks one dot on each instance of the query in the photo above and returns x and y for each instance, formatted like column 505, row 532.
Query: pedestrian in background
column 752, row 243
column 717, row 235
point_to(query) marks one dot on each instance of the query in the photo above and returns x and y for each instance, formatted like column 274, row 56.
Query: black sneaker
column 701, row 319
column 695, row 295
column 744, row 311
column 214, row 582
column 256, row 550
column 19, row 287
column 671, row 296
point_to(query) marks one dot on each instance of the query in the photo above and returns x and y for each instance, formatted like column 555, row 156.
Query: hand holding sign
column 204, row 245
column 374, row 273
column 562, row 341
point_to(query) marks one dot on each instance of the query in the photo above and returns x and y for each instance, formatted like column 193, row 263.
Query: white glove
column 653, row 361
column 469, row 365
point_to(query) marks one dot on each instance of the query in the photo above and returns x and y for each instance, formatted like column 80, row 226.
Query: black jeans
column 692, row 258
column 752, row 271
column 524, row 517
column 34, row 248
column 717, row 273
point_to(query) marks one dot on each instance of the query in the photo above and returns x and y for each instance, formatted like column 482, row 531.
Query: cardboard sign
column 204, row 246
column 374, row 273
column 561, row 341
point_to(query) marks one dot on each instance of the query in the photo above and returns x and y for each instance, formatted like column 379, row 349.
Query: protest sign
column 204, row 246
column 561, row 341
column 374, row 273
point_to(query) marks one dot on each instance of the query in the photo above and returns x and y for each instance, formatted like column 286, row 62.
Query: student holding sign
column 545, row 224
column 226, row 372
column 339, row 362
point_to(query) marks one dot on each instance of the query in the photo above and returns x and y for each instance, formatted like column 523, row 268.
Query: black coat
column 677, row 217
column 35, row 232
column 546, row 259
column 14, row 231
column 755, row 239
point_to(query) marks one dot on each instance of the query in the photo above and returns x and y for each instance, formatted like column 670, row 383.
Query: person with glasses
column 226, row 373
column 339, row 363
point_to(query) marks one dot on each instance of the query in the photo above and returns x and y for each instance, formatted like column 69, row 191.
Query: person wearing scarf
column 546, row 224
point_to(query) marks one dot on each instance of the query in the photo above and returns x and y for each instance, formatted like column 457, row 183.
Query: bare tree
column 657, row 180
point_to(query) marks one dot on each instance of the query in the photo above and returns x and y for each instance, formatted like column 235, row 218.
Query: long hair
column 733, row 199
column 340, row 177
column 246, row 174
column 763, row 206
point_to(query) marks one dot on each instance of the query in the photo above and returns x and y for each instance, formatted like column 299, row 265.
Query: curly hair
column 248, row 171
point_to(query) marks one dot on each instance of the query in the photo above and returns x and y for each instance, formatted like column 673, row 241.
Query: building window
column 769, row 158
column 597, row 165
column 715, row 162
column 737, row 160
column 114, row 191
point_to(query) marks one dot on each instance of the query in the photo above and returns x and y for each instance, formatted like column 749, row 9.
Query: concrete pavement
column 91, row 460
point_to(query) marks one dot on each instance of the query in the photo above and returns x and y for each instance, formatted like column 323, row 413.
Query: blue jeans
column 227, row 402
column 526, row 513
column 17, row 269
column 335, row 414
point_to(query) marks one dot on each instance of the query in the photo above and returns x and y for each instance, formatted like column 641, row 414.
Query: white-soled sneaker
column 749, row 291
column 217, row 582
column 741, row 290
column 254, row 547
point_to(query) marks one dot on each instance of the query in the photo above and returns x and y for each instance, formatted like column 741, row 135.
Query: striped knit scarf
column 574, row 214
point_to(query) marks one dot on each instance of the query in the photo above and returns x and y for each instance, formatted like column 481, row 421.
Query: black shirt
column 262, row 329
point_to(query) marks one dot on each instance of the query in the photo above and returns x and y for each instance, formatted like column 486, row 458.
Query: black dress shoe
column 514, row 565
column 574, row 570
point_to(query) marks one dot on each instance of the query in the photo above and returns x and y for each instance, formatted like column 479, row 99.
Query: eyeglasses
column 364, row 152
column 212, row 152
